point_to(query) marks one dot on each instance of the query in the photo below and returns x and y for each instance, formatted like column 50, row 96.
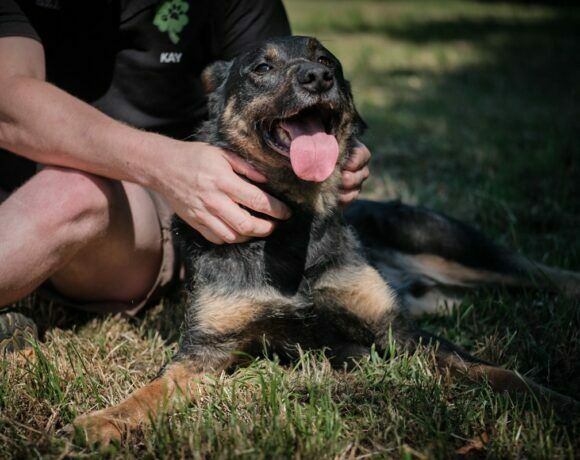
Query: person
column 97, row 102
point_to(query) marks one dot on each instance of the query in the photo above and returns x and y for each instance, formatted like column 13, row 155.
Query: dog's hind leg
column 461, row 364
column 431, row 259
column 365, row 310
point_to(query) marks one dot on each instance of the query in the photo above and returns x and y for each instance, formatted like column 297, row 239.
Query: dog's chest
column 289, row 261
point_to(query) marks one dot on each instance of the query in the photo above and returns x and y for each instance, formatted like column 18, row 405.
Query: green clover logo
column 172, row 17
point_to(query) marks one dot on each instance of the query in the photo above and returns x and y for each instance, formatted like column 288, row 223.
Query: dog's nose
column 315, row 78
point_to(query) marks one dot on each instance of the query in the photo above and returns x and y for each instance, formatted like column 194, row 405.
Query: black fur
column 418, row 230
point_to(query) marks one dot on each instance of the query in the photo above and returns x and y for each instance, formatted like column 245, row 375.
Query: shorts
column 170, row 274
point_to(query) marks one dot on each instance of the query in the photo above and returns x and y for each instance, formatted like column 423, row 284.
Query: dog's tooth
column 283, row 135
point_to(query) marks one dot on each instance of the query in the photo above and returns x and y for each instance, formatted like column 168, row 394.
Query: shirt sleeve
column 248, row 21
column 14, row 23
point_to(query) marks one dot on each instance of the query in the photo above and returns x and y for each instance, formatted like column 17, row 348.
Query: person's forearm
column 47, row 125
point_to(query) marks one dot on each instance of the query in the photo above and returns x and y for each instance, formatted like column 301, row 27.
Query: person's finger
column 359, row 158
column 354, row 180
column 347, row 198
column 240, row 220
column 252, row 197
column 244, row 168
column 207, row 233
column 221, row 229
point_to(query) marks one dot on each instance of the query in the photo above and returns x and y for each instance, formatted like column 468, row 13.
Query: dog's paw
column 98, row 428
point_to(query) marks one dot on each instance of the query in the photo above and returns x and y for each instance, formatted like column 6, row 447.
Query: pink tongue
column 313, row 153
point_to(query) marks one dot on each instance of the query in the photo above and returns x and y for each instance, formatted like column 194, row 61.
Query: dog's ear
column 214, row 75
column 359, row 124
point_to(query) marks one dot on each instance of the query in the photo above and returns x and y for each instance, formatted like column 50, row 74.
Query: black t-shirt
column 139, row 61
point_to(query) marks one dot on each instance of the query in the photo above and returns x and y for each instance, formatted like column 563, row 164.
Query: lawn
column 473, row 109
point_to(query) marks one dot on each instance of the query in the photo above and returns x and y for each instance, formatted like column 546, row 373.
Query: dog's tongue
column 313, row 153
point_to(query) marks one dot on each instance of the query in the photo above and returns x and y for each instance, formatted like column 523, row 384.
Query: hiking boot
column 15, row 331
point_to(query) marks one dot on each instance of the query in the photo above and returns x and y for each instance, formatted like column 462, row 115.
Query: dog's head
column 285, row 106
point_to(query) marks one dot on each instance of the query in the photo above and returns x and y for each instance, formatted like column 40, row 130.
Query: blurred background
column 473, row 109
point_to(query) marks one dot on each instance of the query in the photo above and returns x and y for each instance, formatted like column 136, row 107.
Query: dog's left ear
column 214, row 75
column 359, row 124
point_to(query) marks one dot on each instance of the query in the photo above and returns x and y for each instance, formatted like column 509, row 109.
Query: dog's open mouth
column 308, row 139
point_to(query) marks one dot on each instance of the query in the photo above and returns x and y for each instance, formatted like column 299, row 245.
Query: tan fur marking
column 206, row 81
column 454, row 273
column 229, row 110
column 449, row 272
column 225, row 314
column 399, row 266
column 241, row 133
column 178, row 382
column 272, row 53
column 360, row 290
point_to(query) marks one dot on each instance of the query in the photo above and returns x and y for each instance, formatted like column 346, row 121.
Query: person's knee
column 75, row 202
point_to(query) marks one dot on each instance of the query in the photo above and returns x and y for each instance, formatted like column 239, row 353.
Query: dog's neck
column 310, row 198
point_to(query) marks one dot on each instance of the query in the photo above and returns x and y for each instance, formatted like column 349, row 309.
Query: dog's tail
column 430, row 258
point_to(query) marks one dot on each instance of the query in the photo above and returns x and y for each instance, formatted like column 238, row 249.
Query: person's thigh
column 124, row 263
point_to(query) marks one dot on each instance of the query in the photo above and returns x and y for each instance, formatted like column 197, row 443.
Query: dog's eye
column 263, row 68
column 325, row 61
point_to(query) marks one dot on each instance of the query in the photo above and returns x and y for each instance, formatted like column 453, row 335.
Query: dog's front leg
column 359, row 305
column 217, row 326
column 179, row 382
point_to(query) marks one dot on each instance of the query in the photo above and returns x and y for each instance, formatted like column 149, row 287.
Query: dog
column 285, row 106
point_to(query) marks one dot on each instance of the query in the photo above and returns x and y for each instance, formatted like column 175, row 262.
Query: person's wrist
column 160, row 161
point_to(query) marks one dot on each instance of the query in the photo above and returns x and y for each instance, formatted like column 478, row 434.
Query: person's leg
column 15, row 327
column 95, row 239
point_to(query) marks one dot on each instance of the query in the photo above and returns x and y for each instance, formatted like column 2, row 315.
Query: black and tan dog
column 286, row 107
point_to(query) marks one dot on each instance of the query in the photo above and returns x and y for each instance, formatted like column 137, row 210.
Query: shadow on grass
column 503, row 130
column 165, row 318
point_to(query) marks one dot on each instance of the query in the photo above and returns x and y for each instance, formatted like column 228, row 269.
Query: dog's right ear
column 214, row 75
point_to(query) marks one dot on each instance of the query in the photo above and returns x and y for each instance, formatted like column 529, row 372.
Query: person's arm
column 47, row 125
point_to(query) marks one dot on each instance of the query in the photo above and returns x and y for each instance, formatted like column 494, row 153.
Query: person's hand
column 354, row 173
column 202, row 184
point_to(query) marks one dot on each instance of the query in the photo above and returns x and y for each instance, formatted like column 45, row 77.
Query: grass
column 473, row 109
